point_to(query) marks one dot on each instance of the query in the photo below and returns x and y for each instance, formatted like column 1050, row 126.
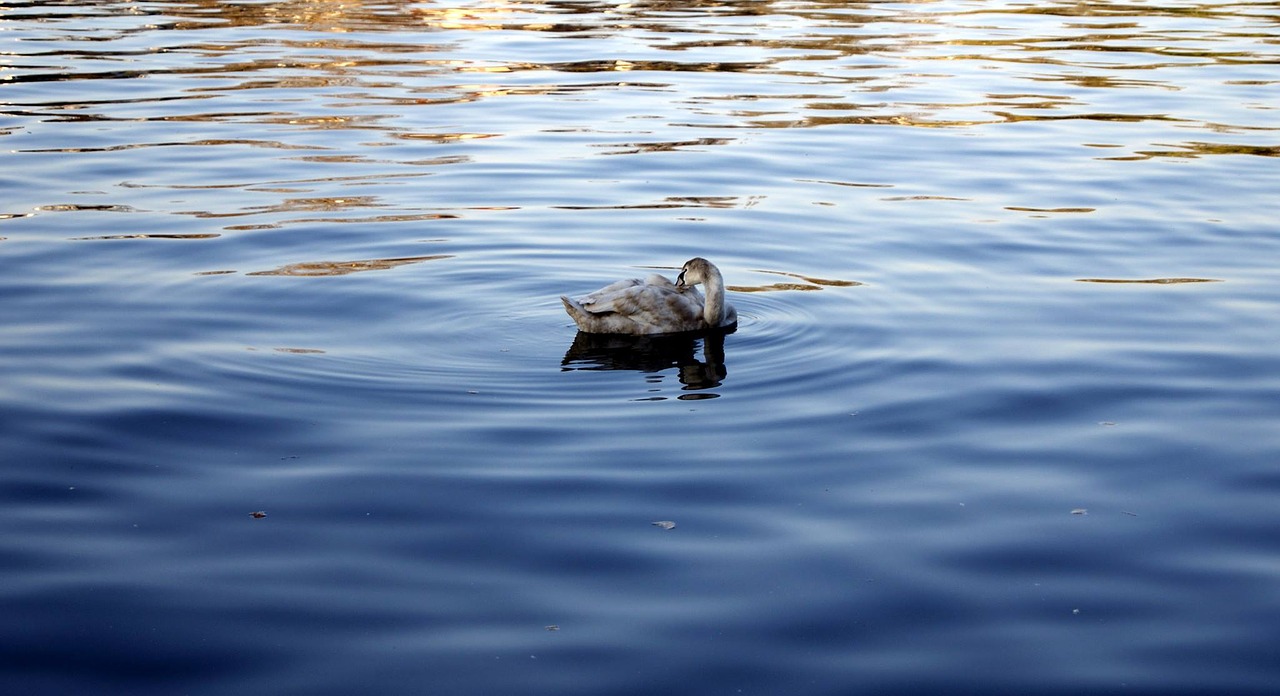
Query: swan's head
column 695, row 270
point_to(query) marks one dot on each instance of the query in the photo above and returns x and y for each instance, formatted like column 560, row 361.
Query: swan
column 655, row 305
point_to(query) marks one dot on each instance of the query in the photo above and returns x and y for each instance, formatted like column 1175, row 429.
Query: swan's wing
column 660, row 281
column 602, row 296
column 660, row 309
column 634, row 306
column 602, row 300
column 627, row 296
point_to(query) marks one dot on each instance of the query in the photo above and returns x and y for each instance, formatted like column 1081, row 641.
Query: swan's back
column 650, row 306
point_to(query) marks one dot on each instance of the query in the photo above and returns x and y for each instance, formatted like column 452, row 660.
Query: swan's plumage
column 655, row 305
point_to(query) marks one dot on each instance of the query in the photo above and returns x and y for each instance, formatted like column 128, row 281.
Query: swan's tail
column 575, row 310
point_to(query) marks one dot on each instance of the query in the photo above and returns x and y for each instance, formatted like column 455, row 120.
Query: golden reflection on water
column 1021, row 209
column 668, row 146
column 313, row 269
column 1149, row 281
column 269, row 144
column 148, row 236
column 1196, row 149
column 720, row 202
column 483, row 18
column 293, row 185
column 409, row 75
column 810, row 283
column 860, row 49
column 772, row 287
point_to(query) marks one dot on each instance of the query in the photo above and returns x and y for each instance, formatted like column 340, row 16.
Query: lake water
column 1002, row 414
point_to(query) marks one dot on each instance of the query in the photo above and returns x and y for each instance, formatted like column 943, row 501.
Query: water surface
column 1000, row 416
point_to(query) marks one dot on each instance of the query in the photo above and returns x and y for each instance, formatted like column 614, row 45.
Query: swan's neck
column 713, row 310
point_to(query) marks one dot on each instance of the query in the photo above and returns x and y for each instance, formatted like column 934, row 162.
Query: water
column 304, row 259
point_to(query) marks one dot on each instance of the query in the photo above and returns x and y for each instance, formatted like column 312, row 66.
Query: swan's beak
column 680, row 280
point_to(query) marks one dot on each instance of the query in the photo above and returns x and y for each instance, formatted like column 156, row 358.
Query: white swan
column 655, row 305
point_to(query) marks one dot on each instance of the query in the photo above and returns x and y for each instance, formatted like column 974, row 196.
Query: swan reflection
column 655, row 354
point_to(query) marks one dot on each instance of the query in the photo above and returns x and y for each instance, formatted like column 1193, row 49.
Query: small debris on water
column 1080, row 511
column 553, row 627
column 1075, row 612
column 1131, row 514
column 665, row 524
column 258, row 515
column 1106, row 424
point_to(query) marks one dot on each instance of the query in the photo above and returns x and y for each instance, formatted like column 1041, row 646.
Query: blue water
column 1001, row 414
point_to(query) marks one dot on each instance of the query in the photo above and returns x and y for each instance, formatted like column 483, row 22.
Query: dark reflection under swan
column 655, row 354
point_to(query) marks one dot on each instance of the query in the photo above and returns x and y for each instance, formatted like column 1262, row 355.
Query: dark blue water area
column 289, row 403
column 879, row 496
